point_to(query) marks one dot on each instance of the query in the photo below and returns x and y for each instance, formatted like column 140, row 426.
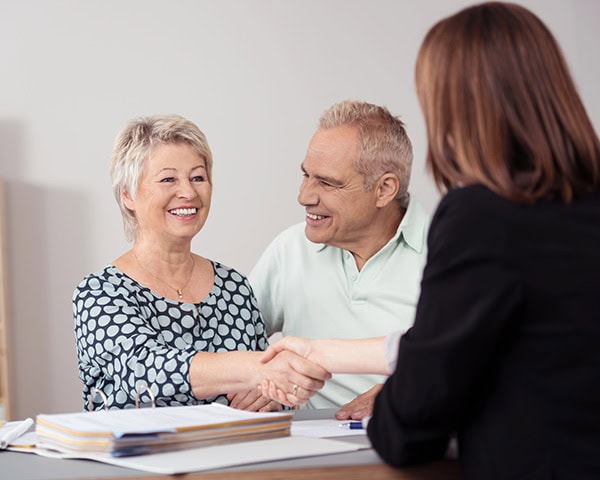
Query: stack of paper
column 152, row 430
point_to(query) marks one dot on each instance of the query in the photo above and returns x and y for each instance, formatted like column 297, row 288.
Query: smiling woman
column 162, row 322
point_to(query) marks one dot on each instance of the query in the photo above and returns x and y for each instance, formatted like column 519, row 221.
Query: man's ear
column 387, row 187
column 127, row 200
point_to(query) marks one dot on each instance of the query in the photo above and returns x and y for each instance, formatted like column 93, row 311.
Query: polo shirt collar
column 411, row 229
column 413, row 226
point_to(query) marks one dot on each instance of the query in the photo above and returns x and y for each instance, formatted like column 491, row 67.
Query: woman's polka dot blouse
column 129, row 338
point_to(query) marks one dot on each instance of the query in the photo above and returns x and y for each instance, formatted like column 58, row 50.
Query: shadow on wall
column 45, row 245
column 46, row 250
column 11, row 145
column 11, row 158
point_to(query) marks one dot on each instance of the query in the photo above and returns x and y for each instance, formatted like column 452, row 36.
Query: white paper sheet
column 13, row 430
column 221, row 456
column 324, row 428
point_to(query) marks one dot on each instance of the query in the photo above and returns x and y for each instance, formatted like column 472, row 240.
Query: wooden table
column 442, row 470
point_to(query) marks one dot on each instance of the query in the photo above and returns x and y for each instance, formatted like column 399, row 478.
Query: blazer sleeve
column 469, row 293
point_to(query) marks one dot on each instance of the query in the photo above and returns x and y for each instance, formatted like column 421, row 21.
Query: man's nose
column 307, row 194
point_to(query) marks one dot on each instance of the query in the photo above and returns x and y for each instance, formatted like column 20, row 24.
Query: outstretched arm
column 232, row 372
column 365, row 355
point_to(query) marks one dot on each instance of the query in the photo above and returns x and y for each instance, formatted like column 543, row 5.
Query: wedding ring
column 295, row 390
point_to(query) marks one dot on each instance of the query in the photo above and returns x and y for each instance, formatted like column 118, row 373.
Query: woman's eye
column 198, row 178
column 166, row 180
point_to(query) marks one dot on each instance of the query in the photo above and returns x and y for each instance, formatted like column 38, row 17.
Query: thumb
column 270, row 353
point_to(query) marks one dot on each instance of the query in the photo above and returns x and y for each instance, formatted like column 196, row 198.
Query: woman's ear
column 388, row 186
column 127, row 200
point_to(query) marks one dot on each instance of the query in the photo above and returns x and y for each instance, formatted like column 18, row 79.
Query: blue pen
column 352, row 425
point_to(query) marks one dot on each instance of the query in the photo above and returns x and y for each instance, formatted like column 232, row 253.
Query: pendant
column 180, row 293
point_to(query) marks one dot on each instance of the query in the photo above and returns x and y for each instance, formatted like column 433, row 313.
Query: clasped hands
column 307, row 378
column 285, row 374
column 294, row 369
column 320, row 356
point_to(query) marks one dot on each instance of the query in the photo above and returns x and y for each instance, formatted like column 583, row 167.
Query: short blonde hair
column 133, row 147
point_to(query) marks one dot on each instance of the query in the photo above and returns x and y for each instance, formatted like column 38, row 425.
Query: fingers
column 297, row 345
column 308, row 377
column 297, row 395
column 270, row 352
column 296, row 377
column 260, row 402
column 254, row 401
column 307, row 368
column 300, row 386
column 242, row 400
column 360, row 407
column 272, row 391
column 271, row 406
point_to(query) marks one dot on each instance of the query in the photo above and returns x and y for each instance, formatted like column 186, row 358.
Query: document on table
column 304, row 441
column 324, row 428
column 153, row 430
column 214, row 457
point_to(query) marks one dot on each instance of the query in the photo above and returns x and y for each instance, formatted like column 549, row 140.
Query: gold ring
column 295, row 390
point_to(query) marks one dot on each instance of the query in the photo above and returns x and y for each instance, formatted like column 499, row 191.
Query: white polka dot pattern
column 128, row 337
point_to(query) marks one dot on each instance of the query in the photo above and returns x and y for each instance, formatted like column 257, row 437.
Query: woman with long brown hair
column 504, row 349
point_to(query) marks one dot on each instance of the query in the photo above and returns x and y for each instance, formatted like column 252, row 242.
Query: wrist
column 254, row 368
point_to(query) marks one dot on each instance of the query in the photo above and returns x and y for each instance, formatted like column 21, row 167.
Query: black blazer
column 505, row 348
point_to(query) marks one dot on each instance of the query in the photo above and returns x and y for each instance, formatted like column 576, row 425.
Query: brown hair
column 502, row 109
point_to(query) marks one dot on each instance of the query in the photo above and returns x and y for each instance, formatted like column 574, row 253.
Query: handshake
column 308, row 371
column 294, row 369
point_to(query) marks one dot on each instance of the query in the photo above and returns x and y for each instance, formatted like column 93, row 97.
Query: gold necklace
column 178, row 290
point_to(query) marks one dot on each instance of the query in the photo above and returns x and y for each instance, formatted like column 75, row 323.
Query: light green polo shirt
column 316, row 291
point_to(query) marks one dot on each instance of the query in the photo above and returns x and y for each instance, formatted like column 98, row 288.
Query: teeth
column 183, row 211
column 312, row 216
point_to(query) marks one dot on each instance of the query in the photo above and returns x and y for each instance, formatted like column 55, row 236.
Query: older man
column 353, row 268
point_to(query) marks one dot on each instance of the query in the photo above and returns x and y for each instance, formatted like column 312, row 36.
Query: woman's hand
column 301, row 346
column 269, row 389
column 297, row 378
column 253, row 401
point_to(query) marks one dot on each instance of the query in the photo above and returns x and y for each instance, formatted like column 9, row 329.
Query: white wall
column 254, row 75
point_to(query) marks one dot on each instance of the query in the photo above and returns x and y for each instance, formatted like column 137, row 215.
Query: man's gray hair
column 384, row 144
